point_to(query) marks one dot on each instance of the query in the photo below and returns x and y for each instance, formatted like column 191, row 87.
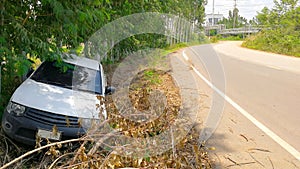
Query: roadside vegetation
column 281, row 31
column 44, row 30
column 217, row 38
column 86, row 153
column 234, row 20
column 280, row 28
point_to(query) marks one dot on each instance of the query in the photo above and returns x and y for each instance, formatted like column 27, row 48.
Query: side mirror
column 109, row 90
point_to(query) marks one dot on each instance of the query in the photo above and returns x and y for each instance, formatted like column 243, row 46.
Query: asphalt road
column 267, row 87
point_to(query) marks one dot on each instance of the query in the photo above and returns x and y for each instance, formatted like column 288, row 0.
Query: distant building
column 212, row 19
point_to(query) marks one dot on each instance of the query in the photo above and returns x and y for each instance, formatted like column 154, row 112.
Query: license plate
column 49, row 134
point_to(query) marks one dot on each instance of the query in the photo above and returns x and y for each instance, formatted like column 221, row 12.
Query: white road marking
column 265, row 129
column 273, row 67
column 185, row 56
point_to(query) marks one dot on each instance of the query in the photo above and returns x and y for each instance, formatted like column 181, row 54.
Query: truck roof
column 82, row 61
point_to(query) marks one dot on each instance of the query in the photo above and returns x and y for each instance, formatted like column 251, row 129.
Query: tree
column 283, row 13
column 282, row 35
column 46, row 28
column 263, row 16
column 234, row 20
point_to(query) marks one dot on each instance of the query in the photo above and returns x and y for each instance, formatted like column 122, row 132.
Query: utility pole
column 234, row 14
column 213, row 13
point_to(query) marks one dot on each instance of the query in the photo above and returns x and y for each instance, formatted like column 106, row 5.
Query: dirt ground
column 146, row 87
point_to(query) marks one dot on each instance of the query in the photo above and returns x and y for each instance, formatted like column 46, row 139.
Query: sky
column 247, row 8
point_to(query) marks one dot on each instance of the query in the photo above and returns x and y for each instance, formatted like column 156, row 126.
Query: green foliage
column 46, row 28
column 152, row 76
column 214, row 39
column 41, row 29
column 213, row 32
column 232, row 38
column 234, row 20
column 280, row 40
column 283, row 29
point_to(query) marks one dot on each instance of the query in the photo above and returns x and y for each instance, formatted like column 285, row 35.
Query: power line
column 248, row 8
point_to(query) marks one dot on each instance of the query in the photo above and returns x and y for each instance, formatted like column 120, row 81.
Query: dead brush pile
column 102, row 149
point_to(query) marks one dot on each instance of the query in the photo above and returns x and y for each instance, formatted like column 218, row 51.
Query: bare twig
column 6, row 138
column 105, row 160
column 271, row 162
column 73, row 165
column 256, row 160
column 244, row 137
column 99, row 142
column 6, row 153
column 50, row 14
column 291, row 163
column 78, row 152
column 56, row 160
column 259, row 149
column 233, row 121
column 217, row 157
column 19, row 165
column 173, row 144
column 91, row 132
column 27, row 16
column 197, row 154
column 240, row 164
column 38, row 149
column 235, row 163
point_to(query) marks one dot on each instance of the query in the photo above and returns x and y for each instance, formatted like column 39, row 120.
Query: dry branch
column 38, row 149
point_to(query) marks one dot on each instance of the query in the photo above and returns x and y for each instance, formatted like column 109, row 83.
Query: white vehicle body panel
column 57, row 100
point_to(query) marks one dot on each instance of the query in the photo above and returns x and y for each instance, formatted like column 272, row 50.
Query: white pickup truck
column 58, row 95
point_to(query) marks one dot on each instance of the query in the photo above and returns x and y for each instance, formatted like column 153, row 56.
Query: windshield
column 69, row 76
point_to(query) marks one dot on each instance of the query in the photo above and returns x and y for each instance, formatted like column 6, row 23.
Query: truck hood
column 56, row 99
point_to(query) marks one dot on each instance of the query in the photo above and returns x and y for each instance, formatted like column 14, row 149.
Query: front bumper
column 23, row 129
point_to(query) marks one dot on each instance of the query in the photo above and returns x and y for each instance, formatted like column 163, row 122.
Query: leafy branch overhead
column 282, row 29
column 43, row 29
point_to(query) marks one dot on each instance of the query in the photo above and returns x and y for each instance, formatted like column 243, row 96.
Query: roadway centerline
column 258, row 124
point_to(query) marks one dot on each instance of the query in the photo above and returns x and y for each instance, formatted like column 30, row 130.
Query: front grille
column 51, row 118
column 28, row 133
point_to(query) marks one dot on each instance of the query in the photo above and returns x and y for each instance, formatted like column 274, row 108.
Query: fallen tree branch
column 56, row 160
column 38, row 149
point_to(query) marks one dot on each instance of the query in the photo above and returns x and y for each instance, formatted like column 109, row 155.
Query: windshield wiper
column 86, row 90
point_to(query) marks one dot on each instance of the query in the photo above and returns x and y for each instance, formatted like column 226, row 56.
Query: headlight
column 86, row 123
column 15, row 109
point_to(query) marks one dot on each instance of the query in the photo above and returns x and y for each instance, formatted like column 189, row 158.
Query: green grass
column 231, row 38
column 281, row 41
column 177, row 46
column 152, row 76
column 215, row 39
